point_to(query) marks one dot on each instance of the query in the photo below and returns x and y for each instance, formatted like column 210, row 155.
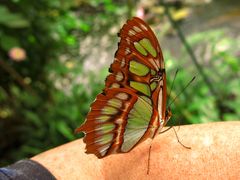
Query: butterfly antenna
column 175, row 75
column 182, row 91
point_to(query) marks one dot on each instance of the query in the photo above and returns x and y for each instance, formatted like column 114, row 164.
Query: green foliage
column 44, row 93
column 12, row 20
column 218, row 55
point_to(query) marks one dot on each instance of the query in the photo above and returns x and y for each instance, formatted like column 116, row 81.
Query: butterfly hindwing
column 117, row 121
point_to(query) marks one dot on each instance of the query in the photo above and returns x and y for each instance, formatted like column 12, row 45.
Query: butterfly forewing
column 137, row 59
column 133, row 104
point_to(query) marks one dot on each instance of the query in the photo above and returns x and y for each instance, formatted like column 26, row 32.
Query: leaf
column 12, row 20
column 17, row 23
column 8, row 42
column 65, row 130
column 33, row 118
column 84, row 26
column 30, row 149
column 233, row 62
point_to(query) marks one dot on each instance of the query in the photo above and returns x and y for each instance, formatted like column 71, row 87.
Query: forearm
column 69, row 161
column 214, row 154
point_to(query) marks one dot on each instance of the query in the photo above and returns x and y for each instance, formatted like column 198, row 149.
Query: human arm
column 214, row 154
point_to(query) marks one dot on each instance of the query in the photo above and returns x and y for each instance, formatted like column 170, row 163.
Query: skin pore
column 214, row 154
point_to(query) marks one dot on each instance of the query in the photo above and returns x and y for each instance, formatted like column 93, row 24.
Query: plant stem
column 190, row 52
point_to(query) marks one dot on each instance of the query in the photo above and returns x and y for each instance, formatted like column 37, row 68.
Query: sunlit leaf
column 65, row 130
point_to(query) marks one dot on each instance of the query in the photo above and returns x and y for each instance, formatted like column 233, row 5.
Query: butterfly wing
column 138, row 56
column 117, row 121
column 137, row 61
column 133, row 104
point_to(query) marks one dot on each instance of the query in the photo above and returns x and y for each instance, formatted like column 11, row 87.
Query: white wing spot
column 128, row 40
column 137, row 29
column 127, row 51
column 119, row 121
column 115, row 85
column 122, row 63
column 131, row 32
column 116, row 59
column 103, row 150
column 122, row 96
column 119, row 76
column 143, row 27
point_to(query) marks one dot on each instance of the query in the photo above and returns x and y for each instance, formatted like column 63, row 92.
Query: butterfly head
column 161, row 72
column 158, row 77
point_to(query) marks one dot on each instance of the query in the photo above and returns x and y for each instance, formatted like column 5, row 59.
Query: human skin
column 214, row 154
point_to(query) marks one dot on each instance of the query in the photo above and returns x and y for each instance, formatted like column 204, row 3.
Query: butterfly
column 132, row 107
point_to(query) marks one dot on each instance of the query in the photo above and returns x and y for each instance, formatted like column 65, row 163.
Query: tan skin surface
column 214, row 154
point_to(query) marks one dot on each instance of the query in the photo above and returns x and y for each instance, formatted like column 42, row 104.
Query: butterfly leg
column 149, row 151
column 149, row 155
column 187, row 147
column 166, row 130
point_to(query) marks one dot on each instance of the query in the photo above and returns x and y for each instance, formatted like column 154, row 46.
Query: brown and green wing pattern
column 116, row 123
column 133, row 103
column 137, row 60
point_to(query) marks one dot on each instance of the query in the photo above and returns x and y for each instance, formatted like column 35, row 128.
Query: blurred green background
column 55, row 54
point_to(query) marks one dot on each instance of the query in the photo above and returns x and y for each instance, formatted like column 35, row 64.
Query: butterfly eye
column 160, row 72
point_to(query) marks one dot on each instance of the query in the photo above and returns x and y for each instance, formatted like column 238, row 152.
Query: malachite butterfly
column 132, row 107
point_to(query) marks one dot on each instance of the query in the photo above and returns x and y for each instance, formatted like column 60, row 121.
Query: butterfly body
column 132, row 107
